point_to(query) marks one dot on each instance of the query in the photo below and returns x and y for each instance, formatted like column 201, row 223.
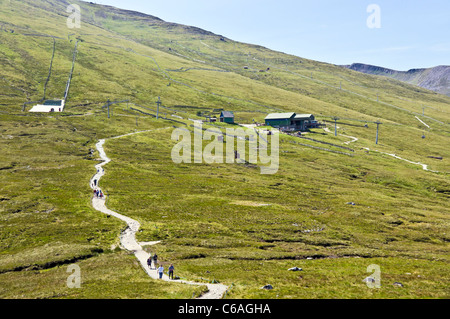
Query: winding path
column 424, row 166
column 355, row 139
column 128, row 236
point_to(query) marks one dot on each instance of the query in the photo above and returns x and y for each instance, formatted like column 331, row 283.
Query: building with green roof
column 227, row 117
column 279, row 119
column 290, row 121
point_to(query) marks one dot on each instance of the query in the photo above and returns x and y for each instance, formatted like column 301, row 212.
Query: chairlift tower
column 108, row 105
column 335, row 125
column 158, row 104
column 378, row 123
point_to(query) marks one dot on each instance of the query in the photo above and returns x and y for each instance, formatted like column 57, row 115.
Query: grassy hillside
column 216, row 222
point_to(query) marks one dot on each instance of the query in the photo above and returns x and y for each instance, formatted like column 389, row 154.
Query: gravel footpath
column 128, row 236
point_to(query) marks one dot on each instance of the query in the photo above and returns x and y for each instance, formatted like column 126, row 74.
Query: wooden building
column 279, row 119
column 290, row 121
column 227, row 117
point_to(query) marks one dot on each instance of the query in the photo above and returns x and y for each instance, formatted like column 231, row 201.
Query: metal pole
column 335, row 125
column 158, row 104
column 378, row 125
column 376, row 142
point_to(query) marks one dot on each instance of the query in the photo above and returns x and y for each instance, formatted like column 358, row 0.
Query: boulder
column 369, row 279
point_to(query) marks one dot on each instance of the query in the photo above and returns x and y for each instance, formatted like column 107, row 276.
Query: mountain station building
column 291, row 121
column 49, row 106
column 227, row 117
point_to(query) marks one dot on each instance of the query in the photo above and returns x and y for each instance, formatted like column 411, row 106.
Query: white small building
column 49, row 106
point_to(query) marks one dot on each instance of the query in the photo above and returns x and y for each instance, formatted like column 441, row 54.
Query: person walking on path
column 155, row 260
column 171, row 269
column 160, row 271
column 149, row 262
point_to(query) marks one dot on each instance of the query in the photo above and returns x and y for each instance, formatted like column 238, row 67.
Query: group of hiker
column 98, row 193
column 160, row 269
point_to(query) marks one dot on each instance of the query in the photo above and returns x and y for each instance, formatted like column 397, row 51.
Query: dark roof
column 304, row 116
column 53, row 102
column 227, row 114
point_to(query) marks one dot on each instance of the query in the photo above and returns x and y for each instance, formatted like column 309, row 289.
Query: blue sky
column 412, row 33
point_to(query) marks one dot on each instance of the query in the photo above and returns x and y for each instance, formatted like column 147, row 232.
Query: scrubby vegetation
column 217, row 222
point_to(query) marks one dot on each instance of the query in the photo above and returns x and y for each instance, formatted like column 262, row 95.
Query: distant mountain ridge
column 436, row 79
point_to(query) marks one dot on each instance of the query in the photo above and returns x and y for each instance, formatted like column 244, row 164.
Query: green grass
column 396, row 217
column 47, row 222
column 108, row 276
column 216, row 222
column 325, row 278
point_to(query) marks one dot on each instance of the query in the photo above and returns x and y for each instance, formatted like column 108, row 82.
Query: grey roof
column 303, row 116
column 227, row 114
column 53, row 102
column 279, row 116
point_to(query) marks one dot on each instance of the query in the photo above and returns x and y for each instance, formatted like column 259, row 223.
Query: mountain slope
column 335, row 198
column 436, row 79
column 202, row 49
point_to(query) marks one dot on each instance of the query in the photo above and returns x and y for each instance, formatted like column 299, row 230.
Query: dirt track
column 128, row 236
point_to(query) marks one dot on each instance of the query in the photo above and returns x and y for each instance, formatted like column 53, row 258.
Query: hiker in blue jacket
column 171, row 269
column 160, row 271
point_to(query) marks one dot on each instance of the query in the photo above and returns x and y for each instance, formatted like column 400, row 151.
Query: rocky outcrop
column 436, row 79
